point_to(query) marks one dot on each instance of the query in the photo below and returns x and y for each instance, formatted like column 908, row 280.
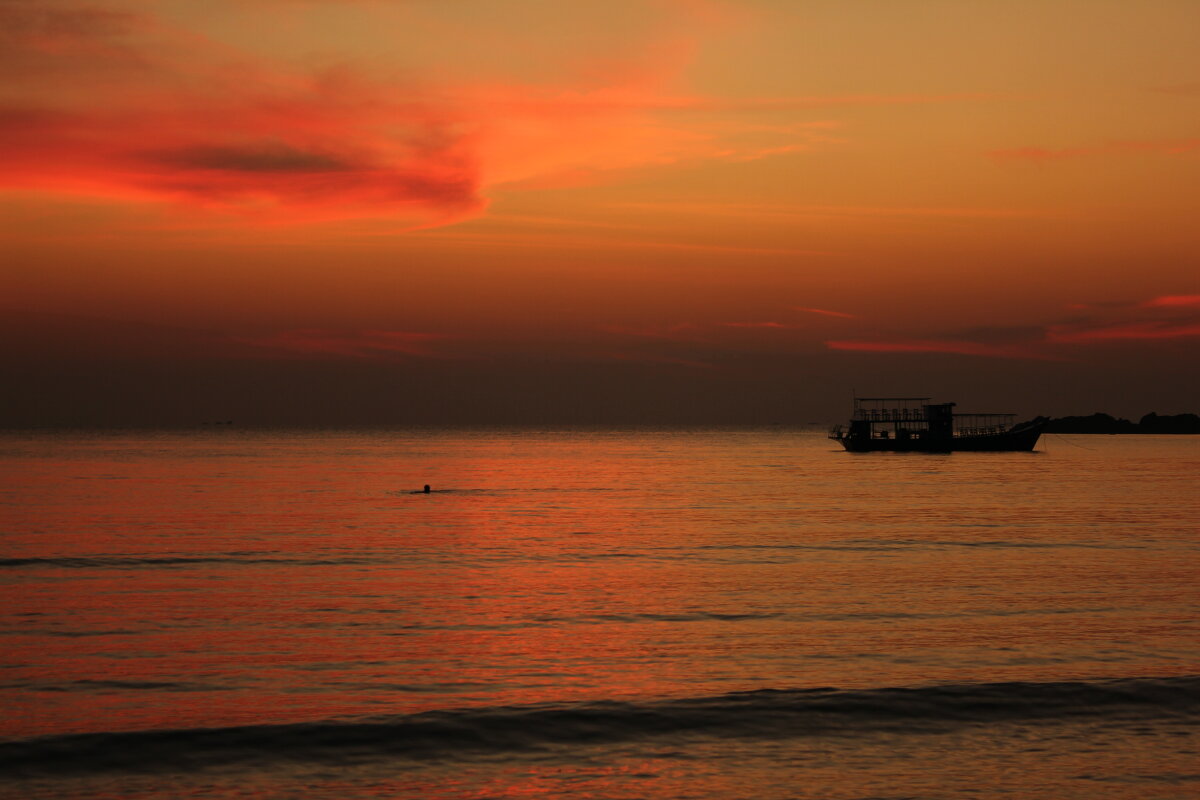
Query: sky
column 418, row 212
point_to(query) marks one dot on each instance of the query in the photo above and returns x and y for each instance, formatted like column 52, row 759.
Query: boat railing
column 890, row 414
column 988, row 430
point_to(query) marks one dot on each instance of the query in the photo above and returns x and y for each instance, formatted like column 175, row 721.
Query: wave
column 509, row 730
column 738, row 553
column 102, row 562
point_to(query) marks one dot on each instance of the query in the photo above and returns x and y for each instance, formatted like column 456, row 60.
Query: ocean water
column 595, row 614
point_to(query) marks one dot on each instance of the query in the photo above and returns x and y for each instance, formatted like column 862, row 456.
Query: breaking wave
column 507, row 730
column 103, row 562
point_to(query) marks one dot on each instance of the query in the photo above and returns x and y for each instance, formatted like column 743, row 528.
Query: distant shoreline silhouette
column 1106, row 423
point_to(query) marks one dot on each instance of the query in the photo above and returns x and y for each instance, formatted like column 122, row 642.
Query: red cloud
column 1173, row 301
column 1171, row 316
column 949, row 346
column 119, row 105
column 1161, row 318
column 1077, row 334
column 310, row 155
column 116, row 105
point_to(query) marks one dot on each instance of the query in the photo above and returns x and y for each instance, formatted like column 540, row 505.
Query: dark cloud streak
column 262, row 157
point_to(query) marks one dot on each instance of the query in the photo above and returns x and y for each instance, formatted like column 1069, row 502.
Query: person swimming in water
column 422, row 491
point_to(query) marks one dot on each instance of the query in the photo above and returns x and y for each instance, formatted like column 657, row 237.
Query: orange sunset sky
column 536, row 211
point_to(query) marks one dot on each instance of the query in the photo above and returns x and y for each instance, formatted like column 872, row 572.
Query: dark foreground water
column 705, row 614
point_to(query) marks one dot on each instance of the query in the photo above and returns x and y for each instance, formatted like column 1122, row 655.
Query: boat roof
column 891, row 399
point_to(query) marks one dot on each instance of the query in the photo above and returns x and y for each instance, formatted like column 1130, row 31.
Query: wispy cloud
column 777, row 211
column 1171, row 316
column 826, row 312
column 1173, row 301
column 945, row 346
column 1166, row 317
column 368, row 344
column 779, row 326
column 686, row 332
column 1117, row 331
column 1045, row 154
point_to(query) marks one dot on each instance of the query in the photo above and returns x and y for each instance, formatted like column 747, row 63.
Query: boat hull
column 1022, row 438
column 855, row 445
column 1010, row 441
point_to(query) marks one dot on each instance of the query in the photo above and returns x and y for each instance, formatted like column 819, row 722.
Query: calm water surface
column 702, row 614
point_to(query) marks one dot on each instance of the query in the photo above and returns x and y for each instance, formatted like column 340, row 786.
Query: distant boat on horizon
column 915, row 425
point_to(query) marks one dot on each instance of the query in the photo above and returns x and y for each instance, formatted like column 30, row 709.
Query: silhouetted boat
column 914, row 425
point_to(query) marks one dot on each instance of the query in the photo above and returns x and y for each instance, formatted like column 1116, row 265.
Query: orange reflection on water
column 208, row 582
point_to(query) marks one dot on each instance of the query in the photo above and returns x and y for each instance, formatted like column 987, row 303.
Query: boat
column 917, row 425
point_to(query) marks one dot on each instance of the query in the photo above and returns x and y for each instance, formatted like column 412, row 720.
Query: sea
column 594, row 613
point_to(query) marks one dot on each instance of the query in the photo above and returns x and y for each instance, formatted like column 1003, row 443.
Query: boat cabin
column 915, row 423
column 906, row 418
column 899, row 418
